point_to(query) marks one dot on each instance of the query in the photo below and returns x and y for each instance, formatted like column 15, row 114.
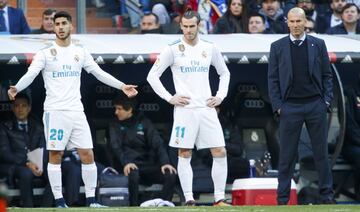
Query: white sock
column 54, row 174
column 219, row 175
column 89, row 177
column 185, row 173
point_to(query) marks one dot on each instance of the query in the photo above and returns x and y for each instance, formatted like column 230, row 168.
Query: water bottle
column 252, row 171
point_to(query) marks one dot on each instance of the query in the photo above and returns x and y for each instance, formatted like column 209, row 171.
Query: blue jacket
column 17, row 21
column 280, row 73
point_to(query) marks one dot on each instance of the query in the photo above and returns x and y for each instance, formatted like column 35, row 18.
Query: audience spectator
column 309, row 8
column 138, row 147
column 257, row 24
column 350, row 21
column 150, row 24
column 17, row 138
column 335, row 17
column 12, row 20
column 351, row 148
column 275, row 20
column 309, row 25
column 234, row 20
column 47, row 22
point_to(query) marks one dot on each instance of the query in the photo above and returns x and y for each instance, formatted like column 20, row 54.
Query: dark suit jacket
column 17, row 21
column 280, row 73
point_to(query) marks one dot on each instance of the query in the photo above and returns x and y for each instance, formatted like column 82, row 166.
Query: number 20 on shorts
column 56, row 134
column 180, row 132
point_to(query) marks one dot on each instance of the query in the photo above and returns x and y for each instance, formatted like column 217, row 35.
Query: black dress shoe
column 281, row 203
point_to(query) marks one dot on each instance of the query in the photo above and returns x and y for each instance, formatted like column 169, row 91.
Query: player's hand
column 213, row 101
column 128, row 167
column 179, row 100
column 12, row 92
column 129, row 90
column 169, row 167
column 34, row 169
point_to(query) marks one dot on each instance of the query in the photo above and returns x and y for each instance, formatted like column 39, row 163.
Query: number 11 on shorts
column 180, row 131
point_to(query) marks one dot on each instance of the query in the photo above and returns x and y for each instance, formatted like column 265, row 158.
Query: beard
column 63, row 38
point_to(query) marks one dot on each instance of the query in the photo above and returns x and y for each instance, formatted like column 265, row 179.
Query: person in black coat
column 138, row 147
column 300, row 90
column 234, row 20
column 18, row 137
column 351, row 148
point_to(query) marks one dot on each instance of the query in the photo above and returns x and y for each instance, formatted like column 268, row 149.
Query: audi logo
column 247, row 88
column 254, row 103
column 104, row 89
column 104, row 104
column 5, row 106
column 149, row 107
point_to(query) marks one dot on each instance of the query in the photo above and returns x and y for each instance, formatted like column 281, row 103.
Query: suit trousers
column 292, row 117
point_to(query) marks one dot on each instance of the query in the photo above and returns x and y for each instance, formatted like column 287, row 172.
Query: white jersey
column 61, row 69
column 190, row 67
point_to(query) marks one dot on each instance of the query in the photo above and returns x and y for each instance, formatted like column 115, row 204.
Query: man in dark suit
column 300, row 90
column 12, row 20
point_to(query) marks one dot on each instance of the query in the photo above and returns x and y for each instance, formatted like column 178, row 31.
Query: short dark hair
column 23, row 96
column 49, row 12
column 63, row 14
column 153, row 14
column 126, row 102
column 189, row 14
column 348, row 5
column 255, row 14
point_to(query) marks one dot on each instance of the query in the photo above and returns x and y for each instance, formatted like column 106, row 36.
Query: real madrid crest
column 181, row 47
column 204, row 54
column 53, row 52
column 76, row 58
column 358, row 102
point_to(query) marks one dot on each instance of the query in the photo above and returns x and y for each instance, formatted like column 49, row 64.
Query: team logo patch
column 53, row 52
column 204, row 54
column 181, row 47
column 76, row 58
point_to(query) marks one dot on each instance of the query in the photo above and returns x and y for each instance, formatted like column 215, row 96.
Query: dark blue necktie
column 23, row 127
column 297, row 42
column 2, row 21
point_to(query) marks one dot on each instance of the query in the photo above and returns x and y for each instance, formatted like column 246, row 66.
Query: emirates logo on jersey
column 53, row 52
column 204, row 54
column 76, row 58
column 181, row 47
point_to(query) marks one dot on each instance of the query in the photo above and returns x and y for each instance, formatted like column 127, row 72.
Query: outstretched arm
column 34, row 69
column 91, row 67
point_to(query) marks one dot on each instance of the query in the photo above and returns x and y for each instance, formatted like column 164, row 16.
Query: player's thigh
column 57, row 129
column 210, row 131
column 185, row 128
column 81, row 134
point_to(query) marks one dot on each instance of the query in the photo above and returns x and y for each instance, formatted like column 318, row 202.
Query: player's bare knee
column 218, row 152
column 55, row 157
column 86, row 156
column 185, row 153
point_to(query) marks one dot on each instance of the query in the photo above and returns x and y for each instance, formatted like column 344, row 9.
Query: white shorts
column 66, row 129
column 196, row 126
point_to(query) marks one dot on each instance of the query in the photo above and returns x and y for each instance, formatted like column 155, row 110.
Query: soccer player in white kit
column 65, row 124
column 195, row 118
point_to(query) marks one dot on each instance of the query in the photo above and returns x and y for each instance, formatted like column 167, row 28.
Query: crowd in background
column 218, row 16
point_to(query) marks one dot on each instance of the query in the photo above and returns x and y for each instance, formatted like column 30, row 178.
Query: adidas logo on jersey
column 13, row 61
